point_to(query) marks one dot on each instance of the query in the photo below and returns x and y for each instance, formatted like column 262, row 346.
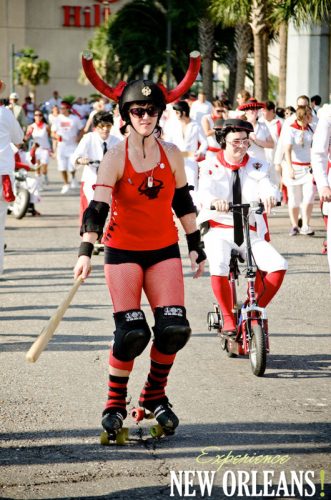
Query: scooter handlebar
column 259, row 206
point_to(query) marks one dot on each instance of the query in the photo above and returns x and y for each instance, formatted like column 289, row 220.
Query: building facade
column 58, row 31
column 308, row 63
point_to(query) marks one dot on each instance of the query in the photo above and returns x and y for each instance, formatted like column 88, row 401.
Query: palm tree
column 243, row 45
column 234, row 12
column 207, row 46
column 30, row 71
column 300, row 12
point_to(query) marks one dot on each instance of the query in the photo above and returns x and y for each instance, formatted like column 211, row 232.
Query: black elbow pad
column 182, row 202
column 94, row 218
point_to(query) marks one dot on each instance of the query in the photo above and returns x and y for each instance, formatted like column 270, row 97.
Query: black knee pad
column 171, row 330
column 132, row 334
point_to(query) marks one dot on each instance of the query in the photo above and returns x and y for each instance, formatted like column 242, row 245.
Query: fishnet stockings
column 162, row 284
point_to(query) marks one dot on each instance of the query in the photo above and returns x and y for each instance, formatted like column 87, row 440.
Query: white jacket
column 10, row 132
column 321, row 150
column 216, row 182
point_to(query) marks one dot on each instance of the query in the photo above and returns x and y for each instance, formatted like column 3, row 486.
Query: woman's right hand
column 82, row 267
column 291, row 172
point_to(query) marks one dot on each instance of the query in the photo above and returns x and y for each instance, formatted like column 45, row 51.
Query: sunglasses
column 219, row 110
column 140, row 112
column 38, row 114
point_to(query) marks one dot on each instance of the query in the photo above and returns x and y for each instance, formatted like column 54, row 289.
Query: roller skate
column 166, row 419
column 112, row 422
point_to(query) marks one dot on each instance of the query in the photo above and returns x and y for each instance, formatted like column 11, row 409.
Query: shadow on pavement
column 258, row 438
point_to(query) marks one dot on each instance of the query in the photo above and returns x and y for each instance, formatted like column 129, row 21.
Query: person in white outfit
column 67, row 130
column 219, row 112
column 10, row 133
column 297, row 173
column 200, row 108
column 274, row 124
column 40, row 133
column 260, row 138
column 92, row 148
column 186, row 135
column 236, row 176
column 321, row 164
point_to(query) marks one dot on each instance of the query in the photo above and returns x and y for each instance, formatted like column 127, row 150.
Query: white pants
column 327, row 210
column 63, row 155
column 3, row 215
column 301, row 193
column 219, row 243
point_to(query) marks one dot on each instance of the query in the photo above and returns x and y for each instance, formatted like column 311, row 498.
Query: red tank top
column 141, row 214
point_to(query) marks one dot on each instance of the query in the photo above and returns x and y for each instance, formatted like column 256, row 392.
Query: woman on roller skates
column 237, row 178
column 142, row 178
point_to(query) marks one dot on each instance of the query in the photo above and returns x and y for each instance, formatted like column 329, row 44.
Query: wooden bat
column 48, row 331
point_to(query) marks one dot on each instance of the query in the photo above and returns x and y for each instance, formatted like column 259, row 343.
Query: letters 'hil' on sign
column 85, row 17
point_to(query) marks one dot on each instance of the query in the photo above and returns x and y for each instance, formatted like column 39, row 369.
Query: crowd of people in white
column 78, row 134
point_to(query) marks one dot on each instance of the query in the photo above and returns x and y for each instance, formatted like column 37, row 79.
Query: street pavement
column 50, row 411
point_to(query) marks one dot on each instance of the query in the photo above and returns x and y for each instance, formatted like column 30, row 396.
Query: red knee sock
column 267, row 289
column 154, row 389
column 222, row 291
column 117, row 386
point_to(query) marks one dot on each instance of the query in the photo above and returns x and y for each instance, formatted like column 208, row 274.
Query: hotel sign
column 91, row 16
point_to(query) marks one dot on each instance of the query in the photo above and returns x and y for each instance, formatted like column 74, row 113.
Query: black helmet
column 232, row 125
column 141, row 91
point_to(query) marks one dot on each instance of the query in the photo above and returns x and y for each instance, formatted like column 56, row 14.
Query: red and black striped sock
column 117, row 387
column 153, row 392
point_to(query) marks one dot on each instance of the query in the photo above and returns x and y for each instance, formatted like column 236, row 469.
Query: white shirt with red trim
column 67, row 127
column 216, row 182
column 91, row 147
column 300, row 140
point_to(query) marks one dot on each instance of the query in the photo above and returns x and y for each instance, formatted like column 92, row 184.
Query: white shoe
column 74, row 184
column 65, row 188
column 307, row 231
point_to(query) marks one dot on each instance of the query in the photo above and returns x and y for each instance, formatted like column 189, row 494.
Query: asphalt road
column 50, row 411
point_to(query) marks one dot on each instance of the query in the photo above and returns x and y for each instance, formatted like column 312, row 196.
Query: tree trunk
column 232, row 65
column 265, row 65
column 258, row 25
column 207, row 42
column 243, row 44
column 282, row 64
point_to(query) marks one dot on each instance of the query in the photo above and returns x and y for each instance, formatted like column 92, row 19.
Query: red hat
column 66, row 104
column 252, row 103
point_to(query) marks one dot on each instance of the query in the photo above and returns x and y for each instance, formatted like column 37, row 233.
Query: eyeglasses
column 238, row 142
column 38, row 114
column 219, row 110
column 140, row 112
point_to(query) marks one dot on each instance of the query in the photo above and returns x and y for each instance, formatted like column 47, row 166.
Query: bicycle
column 251, row 336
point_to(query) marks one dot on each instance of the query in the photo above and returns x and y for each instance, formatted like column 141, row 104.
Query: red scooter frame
column 251, row 336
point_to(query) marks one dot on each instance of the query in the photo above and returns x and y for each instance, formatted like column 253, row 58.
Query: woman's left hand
column 198, row 269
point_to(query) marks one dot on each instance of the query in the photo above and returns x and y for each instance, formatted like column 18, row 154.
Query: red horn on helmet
column 188, row 80
column 113, row 93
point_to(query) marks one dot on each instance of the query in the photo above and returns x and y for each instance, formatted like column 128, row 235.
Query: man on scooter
column 234, row 177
